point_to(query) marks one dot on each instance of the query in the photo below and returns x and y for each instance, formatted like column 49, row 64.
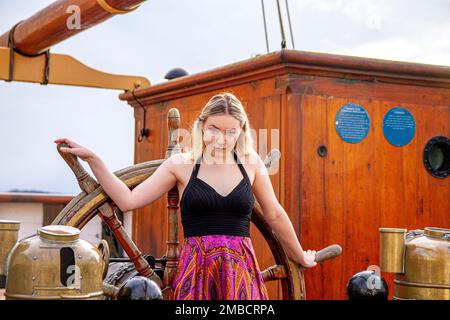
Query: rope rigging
column 280, row 21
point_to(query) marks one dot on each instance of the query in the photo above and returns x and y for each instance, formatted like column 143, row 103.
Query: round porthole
column 436, row 157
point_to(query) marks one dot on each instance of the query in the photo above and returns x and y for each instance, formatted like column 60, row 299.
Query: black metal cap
column 176, row 73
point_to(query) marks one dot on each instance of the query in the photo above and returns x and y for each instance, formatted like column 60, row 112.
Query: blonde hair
column 220, row 104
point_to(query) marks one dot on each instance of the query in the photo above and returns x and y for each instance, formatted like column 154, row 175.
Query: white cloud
column 430, row 46
column 366, row 12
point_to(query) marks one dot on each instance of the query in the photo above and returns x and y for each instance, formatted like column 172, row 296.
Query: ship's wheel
column 94, row 201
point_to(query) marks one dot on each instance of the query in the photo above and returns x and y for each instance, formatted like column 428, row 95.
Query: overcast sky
column 197, row 35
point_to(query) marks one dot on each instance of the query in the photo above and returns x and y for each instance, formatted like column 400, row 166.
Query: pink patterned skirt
column 218, row 267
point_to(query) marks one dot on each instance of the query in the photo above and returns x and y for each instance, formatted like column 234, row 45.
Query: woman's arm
column 151, row 189
column 277, row 218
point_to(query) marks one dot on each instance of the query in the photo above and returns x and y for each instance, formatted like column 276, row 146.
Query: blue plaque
column 399, row 126
column 352, row 123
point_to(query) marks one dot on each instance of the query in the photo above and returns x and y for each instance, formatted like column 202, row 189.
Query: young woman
column 218, row 180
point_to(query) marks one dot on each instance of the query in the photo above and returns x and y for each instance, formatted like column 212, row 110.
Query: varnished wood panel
column 360, row 187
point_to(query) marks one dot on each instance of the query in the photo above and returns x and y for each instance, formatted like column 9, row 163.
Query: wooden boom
column 24, row 49
column 52, row 24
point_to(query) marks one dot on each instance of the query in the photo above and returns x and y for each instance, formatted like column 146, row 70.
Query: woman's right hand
column 308, row 259
column 78, row 150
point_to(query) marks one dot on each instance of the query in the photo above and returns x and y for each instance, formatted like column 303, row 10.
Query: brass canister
column 392, row 249
column 9, row 233
column 427, row 266
column 55, row 264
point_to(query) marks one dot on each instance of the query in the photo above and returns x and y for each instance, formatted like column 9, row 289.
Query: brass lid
column 394, row 230
column 9, row 225
column 59, row 233
column 437, row 233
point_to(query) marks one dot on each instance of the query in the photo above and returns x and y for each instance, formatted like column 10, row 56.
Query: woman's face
column 220, row 133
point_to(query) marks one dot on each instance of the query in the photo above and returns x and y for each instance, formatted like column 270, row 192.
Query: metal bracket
column 12, row 50
column 11, row 47
column 62, row 69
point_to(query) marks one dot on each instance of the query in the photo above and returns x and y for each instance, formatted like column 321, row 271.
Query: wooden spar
column 50, row 25
column 27, row 57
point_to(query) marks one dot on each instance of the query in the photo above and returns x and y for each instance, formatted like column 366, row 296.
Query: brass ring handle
column 104, row 249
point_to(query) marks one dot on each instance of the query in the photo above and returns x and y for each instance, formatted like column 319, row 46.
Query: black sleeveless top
column 206, row 212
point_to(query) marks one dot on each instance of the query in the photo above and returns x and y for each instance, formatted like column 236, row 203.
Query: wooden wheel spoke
column 275, row 272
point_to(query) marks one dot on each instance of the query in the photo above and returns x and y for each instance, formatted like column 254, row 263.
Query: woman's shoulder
column 180, row 161
column 181, row 158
